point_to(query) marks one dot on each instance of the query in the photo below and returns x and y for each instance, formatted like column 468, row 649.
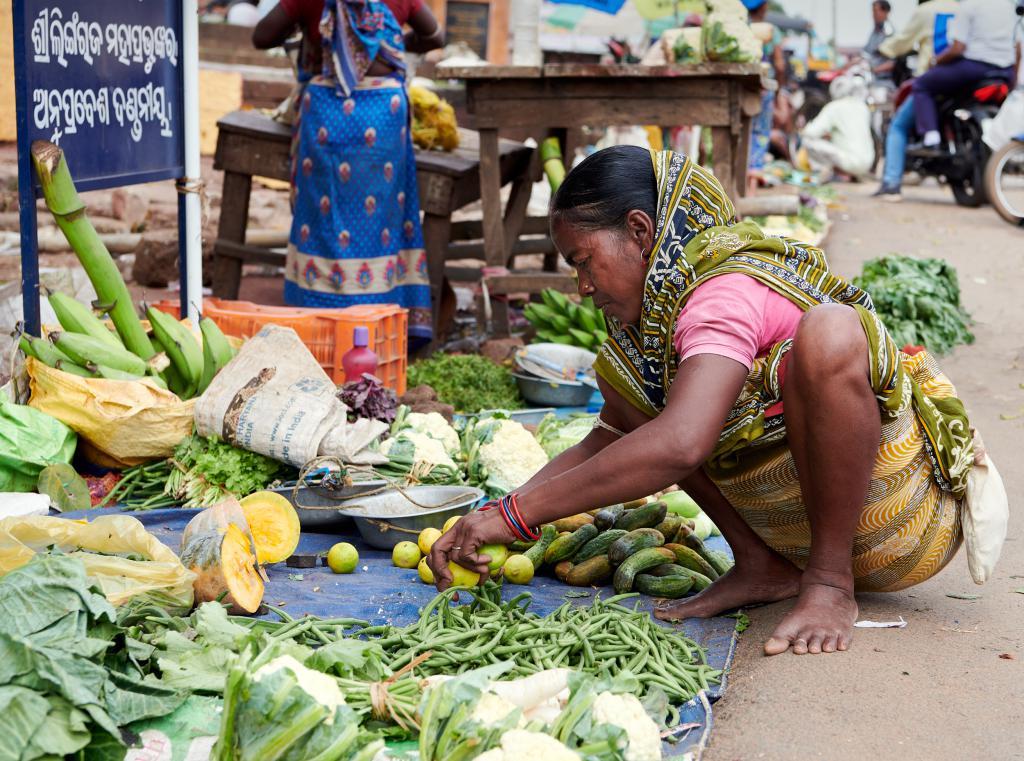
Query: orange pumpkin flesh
column 274, row 525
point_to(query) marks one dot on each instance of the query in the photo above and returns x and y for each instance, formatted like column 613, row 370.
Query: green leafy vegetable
column 918, row 300
column 469, row 382
column 61, row 676
column 558, row 434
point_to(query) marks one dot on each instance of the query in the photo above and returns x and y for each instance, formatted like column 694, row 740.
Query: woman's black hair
column 607, row 185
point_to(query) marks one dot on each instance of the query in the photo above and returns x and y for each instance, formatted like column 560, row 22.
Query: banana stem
column 68, row 211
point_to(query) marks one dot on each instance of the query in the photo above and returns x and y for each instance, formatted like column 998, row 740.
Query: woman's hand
column 460, row 544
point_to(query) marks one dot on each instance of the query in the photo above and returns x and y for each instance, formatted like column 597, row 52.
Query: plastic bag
column 984, row 516
column 29, row 441
column 120, row 538
column 1007, row 124
column 122, row 423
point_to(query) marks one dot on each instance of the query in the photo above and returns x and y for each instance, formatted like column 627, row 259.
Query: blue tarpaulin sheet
column 384, row 594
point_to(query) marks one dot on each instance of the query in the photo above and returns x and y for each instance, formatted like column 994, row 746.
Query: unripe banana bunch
column 88, row 348
column 563, row 321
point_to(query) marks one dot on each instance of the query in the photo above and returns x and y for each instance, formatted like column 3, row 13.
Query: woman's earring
column 643, row 253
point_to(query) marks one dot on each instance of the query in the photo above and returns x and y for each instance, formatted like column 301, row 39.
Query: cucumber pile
column 640, row 546
column 561, row 320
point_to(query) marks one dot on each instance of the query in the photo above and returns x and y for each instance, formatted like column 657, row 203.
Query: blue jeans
column 896, row 143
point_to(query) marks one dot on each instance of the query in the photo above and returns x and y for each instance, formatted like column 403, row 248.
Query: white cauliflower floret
column 321, row 687
column 427, row 449
column 521, row 745
column 733, row 8
column 512, row 456
column 626, row 711
column 492, row 709
column 749, row 47
column 434, row 425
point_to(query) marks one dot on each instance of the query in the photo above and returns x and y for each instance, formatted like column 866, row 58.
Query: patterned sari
column 909, row 528
column 356, row 235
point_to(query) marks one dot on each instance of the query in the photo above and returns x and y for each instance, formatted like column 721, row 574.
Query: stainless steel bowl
column 386, row 519
column 551, row 393
column 318, row 511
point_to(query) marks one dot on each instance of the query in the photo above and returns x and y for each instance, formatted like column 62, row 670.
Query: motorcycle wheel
column 970, row 191
column 1004, row 182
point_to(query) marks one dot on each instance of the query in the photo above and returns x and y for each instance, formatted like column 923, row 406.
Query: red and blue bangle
column 510, row 511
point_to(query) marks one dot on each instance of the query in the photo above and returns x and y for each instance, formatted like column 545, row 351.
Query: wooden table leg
column 490, row 196
column 741, row 156
column 722, row 147
column 234, row 219
column 437, row 230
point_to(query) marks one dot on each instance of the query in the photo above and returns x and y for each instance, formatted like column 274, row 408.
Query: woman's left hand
column 460, row 544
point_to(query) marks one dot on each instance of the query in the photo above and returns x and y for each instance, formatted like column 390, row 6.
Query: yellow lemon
column 343, row 558
column 450, row 522
column 426, row 575
column 405, row 555
column 427, row 538
column 463, row 577
column 498, row 553
column 518, row 569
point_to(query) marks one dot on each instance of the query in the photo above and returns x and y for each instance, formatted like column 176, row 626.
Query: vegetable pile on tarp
column 202, row 472
column 469, row 382
column 918, row 300
column 66, row 671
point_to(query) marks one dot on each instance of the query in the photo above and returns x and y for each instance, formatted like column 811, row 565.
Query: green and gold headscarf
column 697, row 238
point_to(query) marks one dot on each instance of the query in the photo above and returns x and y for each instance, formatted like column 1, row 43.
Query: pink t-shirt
column 735, row 316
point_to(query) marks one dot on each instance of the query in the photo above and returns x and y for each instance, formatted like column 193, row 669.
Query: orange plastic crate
column 326, row 332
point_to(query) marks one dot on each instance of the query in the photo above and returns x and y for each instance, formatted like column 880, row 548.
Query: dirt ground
column 951, row 684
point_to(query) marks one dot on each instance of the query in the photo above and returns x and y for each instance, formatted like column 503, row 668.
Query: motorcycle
column 1004, row 181
column 960, row 159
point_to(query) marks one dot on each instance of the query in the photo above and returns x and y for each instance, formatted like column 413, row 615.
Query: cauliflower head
column 522, row 745
column 434, row 425
column 508, row 453
column 426, row 448
column 492, row 709
column 627, row 712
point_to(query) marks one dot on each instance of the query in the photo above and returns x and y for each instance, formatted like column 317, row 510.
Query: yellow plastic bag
column 162, row 577
column 120, row 423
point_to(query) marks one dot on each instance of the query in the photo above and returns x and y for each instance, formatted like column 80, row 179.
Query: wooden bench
column 250, row 144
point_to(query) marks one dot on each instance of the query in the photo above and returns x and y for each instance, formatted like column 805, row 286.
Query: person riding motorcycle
column 981, row 46
column 926, row 34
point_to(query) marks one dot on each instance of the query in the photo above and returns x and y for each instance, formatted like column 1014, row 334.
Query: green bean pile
column 142, row 488
column 603, row 638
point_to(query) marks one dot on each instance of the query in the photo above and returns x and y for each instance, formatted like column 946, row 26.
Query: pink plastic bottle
column 359, row 359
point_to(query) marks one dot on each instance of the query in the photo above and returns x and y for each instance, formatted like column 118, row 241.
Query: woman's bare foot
column 770, row 579
column 821, row 621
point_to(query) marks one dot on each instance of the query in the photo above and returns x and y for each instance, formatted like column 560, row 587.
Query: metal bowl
column 550, row 393
column 386, row 519
column 314, row 506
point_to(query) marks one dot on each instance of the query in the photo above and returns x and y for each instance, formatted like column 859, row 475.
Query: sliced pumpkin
column 274, row 525
column 225, row 568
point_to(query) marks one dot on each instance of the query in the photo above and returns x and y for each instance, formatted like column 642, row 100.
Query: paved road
column 938, row 689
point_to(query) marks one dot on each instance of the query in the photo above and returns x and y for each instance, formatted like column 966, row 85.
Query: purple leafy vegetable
column 368, row 397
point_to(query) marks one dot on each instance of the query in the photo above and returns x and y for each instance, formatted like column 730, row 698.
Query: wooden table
column 250, row 144
column 723, row 97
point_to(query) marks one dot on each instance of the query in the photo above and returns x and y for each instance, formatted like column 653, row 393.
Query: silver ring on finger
column 457, row 548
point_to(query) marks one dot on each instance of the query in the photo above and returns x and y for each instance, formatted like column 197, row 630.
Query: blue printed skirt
column 356, row 236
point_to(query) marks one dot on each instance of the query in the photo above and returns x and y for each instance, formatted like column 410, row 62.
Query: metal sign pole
column 26, row 191
column 192, row 273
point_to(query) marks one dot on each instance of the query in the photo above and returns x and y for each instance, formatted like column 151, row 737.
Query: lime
column 406, row 555
column 498, row 553
column 450, row 522
column 427, row 538
column 463, row 577
column 343, row 558
column 518, row 569
column 426, row 575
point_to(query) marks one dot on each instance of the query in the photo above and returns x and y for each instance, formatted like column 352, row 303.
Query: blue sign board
column 102, row 80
